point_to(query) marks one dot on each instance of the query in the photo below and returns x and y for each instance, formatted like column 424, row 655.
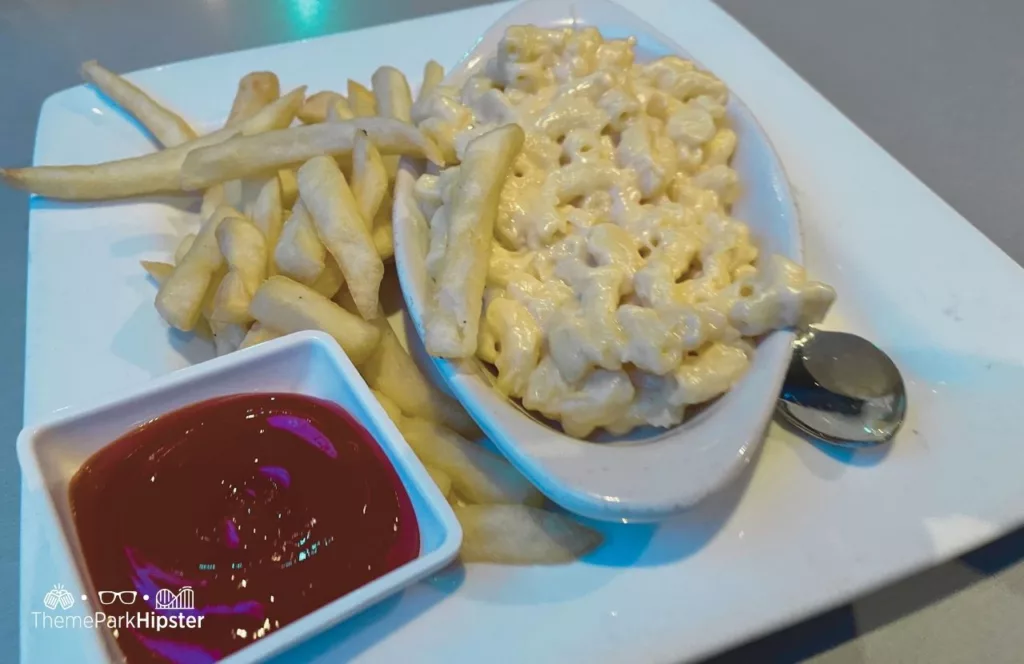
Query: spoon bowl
column 842, row 390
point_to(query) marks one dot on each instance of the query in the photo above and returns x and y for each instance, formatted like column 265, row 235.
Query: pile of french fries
column 295, row 233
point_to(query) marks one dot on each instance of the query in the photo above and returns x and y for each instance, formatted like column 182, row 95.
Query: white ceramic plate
column 650, row 474
column 800, row 532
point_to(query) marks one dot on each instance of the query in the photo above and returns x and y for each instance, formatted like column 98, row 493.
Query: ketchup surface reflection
column 267, row 506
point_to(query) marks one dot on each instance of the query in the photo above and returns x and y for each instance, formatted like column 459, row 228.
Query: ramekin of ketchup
column 241, row 523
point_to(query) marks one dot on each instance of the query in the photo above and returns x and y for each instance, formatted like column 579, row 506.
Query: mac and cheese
column 620, row 291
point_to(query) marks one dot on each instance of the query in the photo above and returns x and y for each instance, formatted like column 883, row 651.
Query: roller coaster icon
column 168, row 601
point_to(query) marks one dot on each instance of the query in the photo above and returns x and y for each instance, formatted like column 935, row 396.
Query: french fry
column 165, row 125
column 453, row 317
column 245, row 252
column 478, row 476
column 433, row 74
column 273, row 150
column 521, row 535
column 300, row 254
column 391, row 92
column 249, row 190
column 233, row 192
column 268, row 217
column 180, row 298
column 227, row 337
column 149, row 174
column 157, row 270
column 389, row 406
column 278, row 114
column 361, row 100
column 288, row 306
column 159, row 172
column 211, row 292
column 393, row 372
column 213, row 198
column 315, row 108
column 383, row 233
column 339, row 110
column 441, row 479
column 159, row 273
column 183, row 246
column 257, row 334
column 330, row 280
column 332, row 205
column 289, row 188
column 255, row 90
column 369, row 179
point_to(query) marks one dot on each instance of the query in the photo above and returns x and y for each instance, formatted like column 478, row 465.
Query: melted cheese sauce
column 620, row 290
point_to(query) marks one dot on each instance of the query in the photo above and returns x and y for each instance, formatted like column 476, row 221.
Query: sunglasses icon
column 123, row 596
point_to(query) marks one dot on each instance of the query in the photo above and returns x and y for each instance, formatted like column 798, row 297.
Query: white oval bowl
column 666, row 473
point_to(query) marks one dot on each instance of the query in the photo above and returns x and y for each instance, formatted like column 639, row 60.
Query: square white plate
column 309, row 363
column 804, row 531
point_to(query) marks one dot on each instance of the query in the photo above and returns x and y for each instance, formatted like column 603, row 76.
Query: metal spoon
column 842, row 389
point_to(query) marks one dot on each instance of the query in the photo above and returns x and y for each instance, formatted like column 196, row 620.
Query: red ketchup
column 241, row 514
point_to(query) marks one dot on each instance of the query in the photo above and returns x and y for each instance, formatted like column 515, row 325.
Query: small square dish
column 305, row 365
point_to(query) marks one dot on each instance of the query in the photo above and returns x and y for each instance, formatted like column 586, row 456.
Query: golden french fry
column 227, row 337
column 433, row 74
column 453, row 317
column 316, row 106
column 369, row 179
column 361, row 100
column 289, row 188
column 521, row 535
column 159, row 273
column 288, row 306
column 249, row 190
column 157, row 270
column 213, row 198
column 183, row 246
column 233, row 192
column 478, row 476
column 330, row 280
column 245, row 251
column 150, row 174
column 180, row 298
column 391, row 92
column 340, row 110
column 211, row 292
column 330, row 202
column 158, row 172
column 442, row 480
column 255, row 90
column 383, row 233
column 393, row 372
column 168, row 127
column 231, row 301
column 389, row 406
column 278, row 114
column 268, row 217
column 273, row 150
column 300, row 254
column 257, row 334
